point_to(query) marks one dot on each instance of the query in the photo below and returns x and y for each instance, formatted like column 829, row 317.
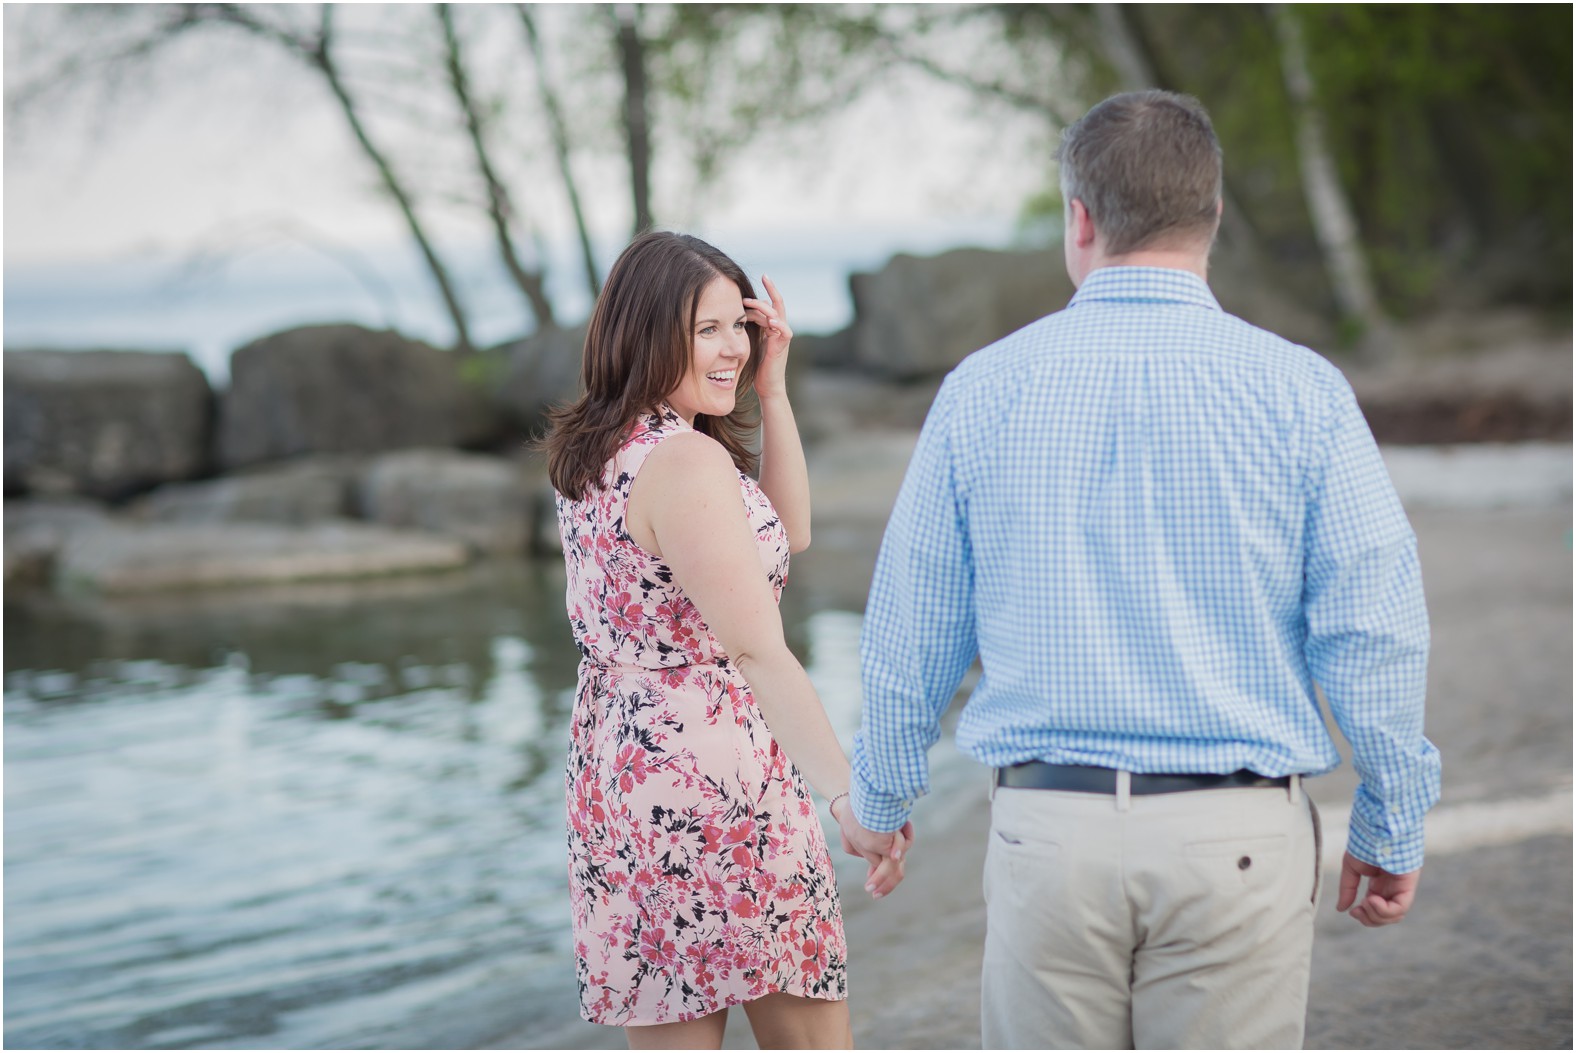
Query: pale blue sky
column 220, row 144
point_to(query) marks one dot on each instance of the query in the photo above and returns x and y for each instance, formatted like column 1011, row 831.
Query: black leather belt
column 1037, row 775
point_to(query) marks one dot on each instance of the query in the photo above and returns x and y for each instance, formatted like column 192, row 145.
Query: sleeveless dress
column 699, row 876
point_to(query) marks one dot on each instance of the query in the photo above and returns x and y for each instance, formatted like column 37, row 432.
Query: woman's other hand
column 771, row 375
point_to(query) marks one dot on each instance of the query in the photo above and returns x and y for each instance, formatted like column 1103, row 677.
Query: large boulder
column 35, row 530
column 481, row 500
column 920, row 316
column 117, row 557
column 298, row 492
column 542, row 370
column 338, row 389
column 104, row 423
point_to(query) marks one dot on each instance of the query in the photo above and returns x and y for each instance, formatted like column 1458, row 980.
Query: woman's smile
column 719, row 347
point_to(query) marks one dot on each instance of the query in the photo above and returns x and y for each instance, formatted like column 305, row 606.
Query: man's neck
column 1191, row 260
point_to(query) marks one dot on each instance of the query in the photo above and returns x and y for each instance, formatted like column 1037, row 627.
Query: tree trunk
column 560, row 133
column 319, row 55
column 499, row 209
column 637, row 126
column 1333, row 222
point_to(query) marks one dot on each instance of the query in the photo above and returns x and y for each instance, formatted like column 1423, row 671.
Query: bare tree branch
column 499, row 208
column 560, row 134
column 318, row 53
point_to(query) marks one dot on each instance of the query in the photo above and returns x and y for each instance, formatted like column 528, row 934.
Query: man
column 1158, row 527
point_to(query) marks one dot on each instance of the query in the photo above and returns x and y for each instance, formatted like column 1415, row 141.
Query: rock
column 338, row 389
column 35, row 530
column 921, row 316
column 104, row 423
column 829, row 404
column 543, row 370
column 545, row 540
column 118, row 557
column 824, row 351
column 481, row 500
column 299, row 492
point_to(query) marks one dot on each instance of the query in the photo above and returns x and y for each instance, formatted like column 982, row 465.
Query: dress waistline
column 620, row 669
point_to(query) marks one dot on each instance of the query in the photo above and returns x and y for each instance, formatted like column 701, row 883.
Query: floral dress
column 699, row 876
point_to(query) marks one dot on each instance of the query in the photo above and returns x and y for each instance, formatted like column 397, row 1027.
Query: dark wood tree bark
column 637, row 123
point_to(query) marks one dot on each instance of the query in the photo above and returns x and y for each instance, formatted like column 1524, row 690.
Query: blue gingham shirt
column 1158, row 527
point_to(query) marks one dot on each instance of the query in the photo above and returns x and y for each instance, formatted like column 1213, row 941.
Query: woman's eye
column 738, row 327
column 708, row 330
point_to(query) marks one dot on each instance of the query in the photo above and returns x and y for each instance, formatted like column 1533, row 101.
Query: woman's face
column 719, row 347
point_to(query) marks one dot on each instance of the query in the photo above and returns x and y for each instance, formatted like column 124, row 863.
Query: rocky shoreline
column 338, row 451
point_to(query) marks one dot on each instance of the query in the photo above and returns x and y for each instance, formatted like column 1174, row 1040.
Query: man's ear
column 1080, row 227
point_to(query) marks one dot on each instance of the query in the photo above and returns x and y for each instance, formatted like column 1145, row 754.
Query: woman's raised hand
column 771, row 375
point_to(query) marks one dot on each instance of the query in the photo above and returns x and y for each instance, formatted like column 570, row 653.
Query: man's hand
column 1389, row 895
column 884, row 852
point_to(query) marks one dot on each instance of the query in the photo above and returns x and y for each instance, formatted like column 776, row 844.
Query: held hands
column 886, row 853
column 771, row 375
column 1389, row 895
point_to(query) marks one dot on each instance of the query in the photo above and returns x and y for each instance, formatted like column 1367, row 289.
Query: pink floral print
column 699, row 877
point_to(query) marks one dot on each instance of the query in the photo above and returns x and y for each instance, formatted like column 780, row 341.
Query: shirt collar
column 1144, row 285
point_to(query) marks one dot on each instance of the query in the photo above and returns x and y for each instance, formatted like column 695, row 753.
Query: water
column 325, row 816
column 209, row 306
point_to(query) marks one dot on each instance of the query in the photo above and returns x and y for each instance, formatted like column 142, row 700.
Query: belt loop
column 1294, row 789
column 995, row 781
column 1124, row 791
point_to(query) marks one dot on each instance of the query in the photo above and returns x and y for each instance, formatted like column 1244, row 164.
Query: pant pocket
column 1240, row 862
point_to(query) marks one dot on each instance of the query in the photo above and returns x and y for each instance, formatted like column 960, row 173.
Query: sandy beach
column 1484, row 959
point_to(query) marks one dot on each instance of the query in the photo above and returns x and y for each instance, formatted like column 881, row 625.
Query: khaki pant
column 1165, row 921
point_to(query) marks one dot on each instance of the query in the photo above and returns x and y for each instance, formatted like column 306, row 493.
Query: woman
column 699, row 875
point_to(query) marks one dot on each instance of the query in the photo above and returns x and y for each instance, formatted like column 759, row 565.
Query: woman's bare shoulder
column 692, row 457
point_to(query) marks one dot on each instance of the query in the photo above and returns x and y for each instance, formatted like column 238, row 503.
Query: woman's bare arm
column 687, row 500
column 784, row 476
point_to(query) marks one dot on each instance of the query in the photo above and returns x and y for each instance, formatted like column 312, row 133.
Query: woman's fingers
column 887, row 875
column 771, row 290
column 886, row 871
column 761, row 314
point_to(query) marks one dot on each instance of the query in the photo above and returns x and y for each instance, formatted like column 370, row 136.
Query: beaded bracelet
column 833, row 801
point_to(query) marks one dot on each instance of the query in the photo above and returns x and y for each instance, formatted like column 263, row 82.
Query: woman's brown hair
column 638, row 348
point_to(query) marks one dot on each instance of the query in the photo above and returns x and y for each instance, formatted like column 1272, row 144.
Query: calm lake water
column 325, row 816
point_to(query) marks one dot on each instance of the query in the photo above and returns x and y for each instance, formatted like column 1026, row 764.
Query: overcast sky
column 216, row 145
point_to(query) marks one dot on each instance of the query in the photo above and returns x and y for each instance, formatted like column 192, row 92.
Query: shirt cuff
column 1394, row 853
column 880, row 812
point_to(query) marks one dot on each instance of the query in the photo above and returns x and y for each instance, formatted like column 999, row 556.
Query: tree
column 1334, row 225
column 498, row 207
column 637, row 120
column 559, row 130
column 317, row 51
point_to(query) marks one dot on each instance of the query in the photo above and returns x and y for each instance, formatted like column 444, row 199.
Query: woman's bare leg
column 701, row 1033
column 785, row 1021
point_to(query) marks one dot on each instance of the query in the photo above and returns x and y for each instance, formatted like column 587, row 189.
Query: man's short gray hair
column 1147, row 166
